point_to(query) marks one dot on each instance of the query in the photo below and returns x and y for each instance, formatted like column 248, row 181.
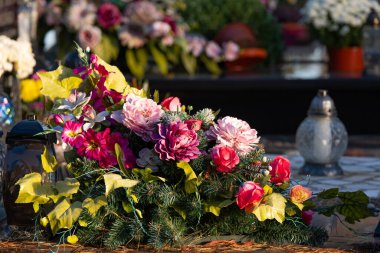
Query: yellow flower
column 30, row 90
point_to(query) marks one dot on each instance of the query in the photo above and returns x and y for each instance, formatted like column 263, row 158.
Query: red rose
column 225, row 158
column 249, row 196
column 171, row 104
column 194, row 124
column 307, row 216
column 280, row 172
column 108, row 15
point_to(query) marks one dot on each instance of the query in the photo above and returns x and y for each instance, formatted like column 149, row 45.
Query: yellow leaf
column 180, row 211
column 72, row 239
column 65, row 188
column 36, row 207
column 114, row 181
column 127, row 207
column 134, row 198
column 299, row 205
column 59, row 83
column 49, row 162
column 290, row 211
column 44, row 221
column 64, row 215
column 146, row 175
column 267, row 190
column 120, row 157
column 30, row 90
column 271, row 207
column 115, row 80
column 31, row 189
column 212, row 209
column 191, row 178
column 139, row 213
column 93, row 206
column 83, row 223
column 135, row 91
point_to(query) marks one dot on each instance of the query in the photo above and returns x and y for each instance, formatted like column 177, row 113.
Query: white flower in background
column 75, row 100
column 16, row 56
column 168, row 40
column 206, row 115
column 195, row 44
column 231, row 51
column 148, row 159
column 213, row 50
column 81, row 14
column 159, row 29
column 90, row 36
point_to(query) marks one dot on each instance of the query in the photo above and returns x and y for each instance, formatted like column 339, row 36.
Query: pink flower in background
column 231, row 51
column 234, row 133
column 171, row 104
column 280, row 172
column 213, row 50
column 132, row 35
column 94, row 145
column 159, row 29
column 307, row 216
column 167, row 40
column 108, row 15
column 90, row 36
column 148, row 159
column 195, row 44
column 81, row 14
column 249, row 196
column 224, row 158
column 175, row 141
column 142, row 12
column 71, row 133
column 141, row 115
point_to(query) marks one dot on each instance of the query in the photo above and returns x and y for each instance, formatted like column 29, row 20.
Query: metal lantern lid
column 322, row 105
column 30, row 130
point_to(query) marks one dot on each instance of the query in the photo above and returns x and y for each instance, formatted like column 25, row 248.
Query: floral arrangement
column 16, row 57
column 145, row 171
column 136, row 32
column 339, row 23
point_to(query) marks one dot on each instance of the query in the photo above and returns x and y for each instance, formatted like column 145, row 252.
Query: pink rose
column 249, row 196
column 307, row 216
column 171, row 104
column 225, row 158
column 280, row 172
column 108, row 15
column 194, row 124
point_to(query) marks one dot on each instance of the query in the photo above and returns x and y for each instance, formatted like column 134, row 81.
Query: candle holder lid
column 322, row 105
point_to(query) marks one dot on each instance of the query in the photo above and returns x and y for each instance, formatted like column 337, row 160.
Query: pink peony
column 171, row 104
column 72, row 132
column 141, row 115
column 234, row 133
column 90, row 36
column 280, row 172
column 225, row 158
column 175, row 141
column 108, row 15
column 249, row 196
column 94, row 145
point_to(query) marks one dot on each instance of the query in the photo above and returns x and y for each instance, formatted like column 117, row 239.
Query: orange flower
column 299, row 194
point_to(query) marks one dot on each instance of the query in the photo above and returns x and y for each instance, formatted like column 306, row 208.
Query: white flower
column 148, row 159
column 92, row 117
column 75, row 100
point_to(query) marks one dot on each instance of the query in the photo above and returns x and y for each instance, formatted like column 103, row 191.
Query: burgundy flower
column 175, row 141
column 108, row 15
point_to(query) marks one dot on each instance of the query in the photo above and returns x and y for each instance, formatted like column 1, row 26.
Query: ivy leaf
column 115, row 80
column 59, row 83
column 64, row 215
column 267, row 190
column 191, row 179
column 212, row 209
column 93, row 205
column 146, row 175
column 65, row 188
column 329, row 194
column 49, row 162
column 127, row 207
column 114, row 181
column 160, row 59
column 120, row 157
column 215, row 206
column 299, row 205
column 72, row 239
column 31, row 189
column 189, row 63
column 353, row 206
column 271, row 207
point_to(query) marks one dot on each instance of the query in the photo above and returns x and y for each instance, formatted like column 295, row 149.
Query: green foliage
column 208, row 17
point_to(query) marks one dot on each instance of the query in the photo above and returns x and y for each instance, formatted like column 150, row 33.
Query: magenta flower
column 175, row 141
column 128, row 156
column 234, row 133
column 94, row 145
column 71, row 133
column 108, row 15
column 141, row 115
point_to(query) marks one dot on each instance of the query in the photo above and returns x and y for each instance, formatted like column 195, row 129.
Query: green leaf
column 354, row 206
column 212, row 209
column 93, row 205
column 191, row 179
column 114, row 181
column 146, row 175
column 189, row 63
column 108, row 48
column 180, row 211
column 160, row 59
column 65, row 188
column 271, row 207
column 59, row 83
column 216, row 205
column 137, row 60
column 64, row 215
column 127, row 207
column 49, row 162
column 120, row 157
column 31, row 189
column 211, row 65
column 156, row 96
column 329, row 194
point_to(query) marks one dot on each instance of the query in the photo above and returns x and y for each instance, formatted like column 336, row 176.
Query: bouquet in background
column 339, row 23
column 137, row 33
column 151, row 171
